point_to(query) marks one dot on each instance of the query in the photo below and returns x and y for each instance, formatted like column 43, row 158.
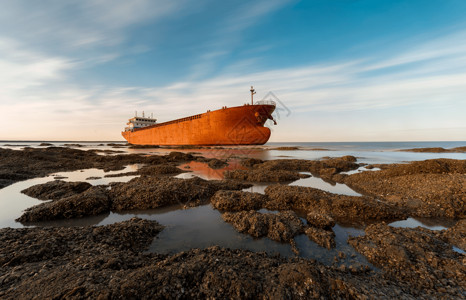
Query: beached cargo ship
column 240, row 125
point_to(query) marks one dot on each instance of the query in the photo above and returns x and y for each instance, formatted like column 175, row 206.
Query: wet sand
column 111, row 261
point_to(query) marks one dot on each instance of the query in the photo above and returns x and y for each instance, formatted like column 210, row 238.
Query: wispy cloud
column 79, row 24
column 35, row 96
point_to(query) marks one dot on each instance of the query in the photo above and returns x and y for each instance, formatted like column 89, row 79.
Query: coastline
column 414, row 262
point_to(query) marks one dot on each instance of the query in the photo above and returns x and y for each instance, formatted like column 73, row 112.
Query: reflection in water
column 429, row 223
column 202, row 170
column 203, row 226
column 360, row 169
column 456, row 249
column 13, row 202
column 257, row 188
column 87, row 221
column 318, row 183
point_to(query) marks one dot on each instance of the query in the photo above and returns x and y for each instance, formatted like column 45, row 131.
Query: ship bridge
column 139, row 122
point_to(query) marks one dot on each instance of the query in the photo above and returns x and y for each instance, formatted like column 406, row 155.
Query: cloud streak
column 37, row 100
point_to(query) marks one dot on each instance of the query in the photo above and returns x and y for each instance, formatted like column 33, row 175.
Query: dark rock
column 431, row 188
column 345, row 209
column 456, row 234
column 414, row 255
column 35, row 162
column 260, row 175
column 216, row 163
column 324, row 238
column 57, row 189
column 436, row 150
column 179, row 156
column 319, row 220
column 160, row 169
column 281, row 227
column 131, row 146
column 107, row 262
column 92, row 201
column 152, row 192
column 331, row 166
column 250, row 162
column 237, row 200
column 284, row 148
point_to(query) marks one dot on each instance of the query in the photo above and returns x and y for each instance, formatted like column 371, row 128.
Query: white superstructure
column 139, row 122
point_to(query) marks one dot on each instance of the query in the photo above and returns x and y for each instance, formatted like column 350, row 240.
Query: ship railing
column 266, row 102
column 172, row 122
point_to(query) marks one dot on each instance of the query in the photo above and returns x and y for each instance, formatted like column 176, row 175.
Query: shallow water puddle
column 319, row 183
column 13, row 202
column 429, row 223
column 202, row 170
column 359, row 170
column 456, row 249
column 203, row 226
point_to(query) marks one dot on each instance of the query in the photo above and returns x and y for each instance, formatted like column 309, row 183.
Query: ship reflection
column 203, row 170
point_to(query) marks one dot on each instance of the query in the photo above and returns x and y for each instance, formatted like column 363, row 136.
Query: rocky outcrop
column 346, row 209
column 17, row 165
column 436, row 150
column 280, row 227
column 139, row 193
column 237, row 200
column 456, row 234
column 431, row 188
column 319, row 220
column 322, row 237
column 416, row 256
column 92, row 201
column 160, row 169
column 260, row 175
column 57, row 189
column 152, row 192
column 107, row 262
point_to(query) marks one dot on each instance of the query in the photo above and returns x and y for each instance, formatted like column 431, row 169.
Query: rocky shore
column 17, row 165
column 431, row 188
column 109, row 262
column 112, row 261
column 437, row 150
column 143, row 192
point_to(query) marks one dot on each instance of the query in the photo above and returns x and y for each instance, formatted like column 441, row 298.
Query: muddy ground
column 111, row 261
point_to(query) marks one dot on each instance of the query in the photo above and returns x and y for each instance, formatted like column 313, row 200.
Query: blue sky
column 343, row 70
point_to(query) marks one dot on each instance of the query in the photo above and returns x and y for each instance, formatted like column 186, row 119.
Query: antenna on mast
column 135, row 113
column 253, row 91
column 143, row 114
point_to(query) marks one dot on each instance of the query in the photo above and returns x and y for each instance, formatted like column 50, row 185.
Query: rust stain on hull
column 240, row 125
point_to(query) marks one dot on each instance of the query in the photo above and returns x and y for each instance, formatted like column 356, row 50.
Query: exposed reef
column 144, row 192
column 17, row 165
column 437, row 150
column 57, row 189
column 416, row 256
column 430, row 188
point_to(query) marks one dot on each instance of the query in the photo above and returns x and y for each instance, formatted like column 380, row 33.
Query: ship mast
column 253, row 91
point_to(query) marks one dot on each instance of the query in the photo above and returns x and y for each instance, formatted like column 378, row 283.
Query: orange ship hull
column 241, row 125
